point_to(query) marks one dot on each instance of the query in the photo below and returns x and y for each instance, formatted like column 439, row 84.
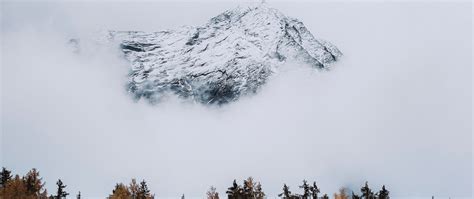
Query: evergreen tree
column 354, row 196
column 259, row 194
column 14, row 189
column 383, row 194
column 5, row 176
column 233, row 192
column 306, row 190
column 314, row 191
column 325, row 196
column 144, row 192
column 367, row 192
column 133, row 188
column 33, row 183
column 248, row 190
column 286, row 192
column 61, row 193
column 120, row 191
column 78, row 196
column 212, row 193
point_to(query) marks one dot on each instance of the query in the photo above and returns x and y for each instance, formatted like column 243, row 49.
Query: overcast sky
column 396, row 109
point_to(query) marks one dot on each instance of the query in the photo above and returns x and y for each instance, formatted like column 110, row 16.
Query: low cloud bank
column 391, row 113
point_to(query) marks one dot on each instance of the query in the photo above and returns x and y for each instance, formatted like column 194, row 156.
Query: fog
column 396, row 110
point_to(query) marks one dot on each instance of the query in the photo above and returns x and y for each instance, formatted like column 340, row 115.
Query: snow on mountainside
column 230, row 56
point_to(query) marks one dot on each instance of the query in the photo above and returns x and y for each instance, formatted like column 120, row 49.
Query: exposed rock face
column 230, row 56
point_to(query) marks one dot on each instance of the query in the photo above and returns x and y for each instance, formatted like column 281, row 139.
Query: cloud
column 394, row 111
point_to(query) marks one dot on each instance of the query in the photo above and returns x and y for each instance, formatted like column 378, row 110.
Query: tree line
column 251, row 190
column 31, row 186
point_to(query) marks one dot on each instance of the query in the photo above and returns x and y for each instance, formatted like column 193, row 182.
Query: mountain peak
column 230, row 56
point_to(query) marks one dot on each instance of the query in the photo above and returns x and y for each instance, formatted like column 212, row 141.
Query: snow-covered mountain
column 232, row 55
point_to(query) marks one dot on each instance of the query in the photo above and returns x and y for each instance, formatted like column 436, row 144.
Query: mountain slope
column 230, row 56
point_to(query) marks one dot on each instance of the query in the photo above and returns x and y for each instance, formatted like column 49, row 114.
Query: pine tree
column 33, row 183
column 383, row 194
column 233, row 192
column 144, row 192
column 306, row 190
column 314, row 191
column 259, row 194
column 5, row 176
column 286, row 192
column 133, row 187
column 120, row 191
column 367, row 192
column 212, row 193
column 78, row 196
column 61, row 193
column 248, row 190
column 354, row 196
column 14, row 189
column 26, row 187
